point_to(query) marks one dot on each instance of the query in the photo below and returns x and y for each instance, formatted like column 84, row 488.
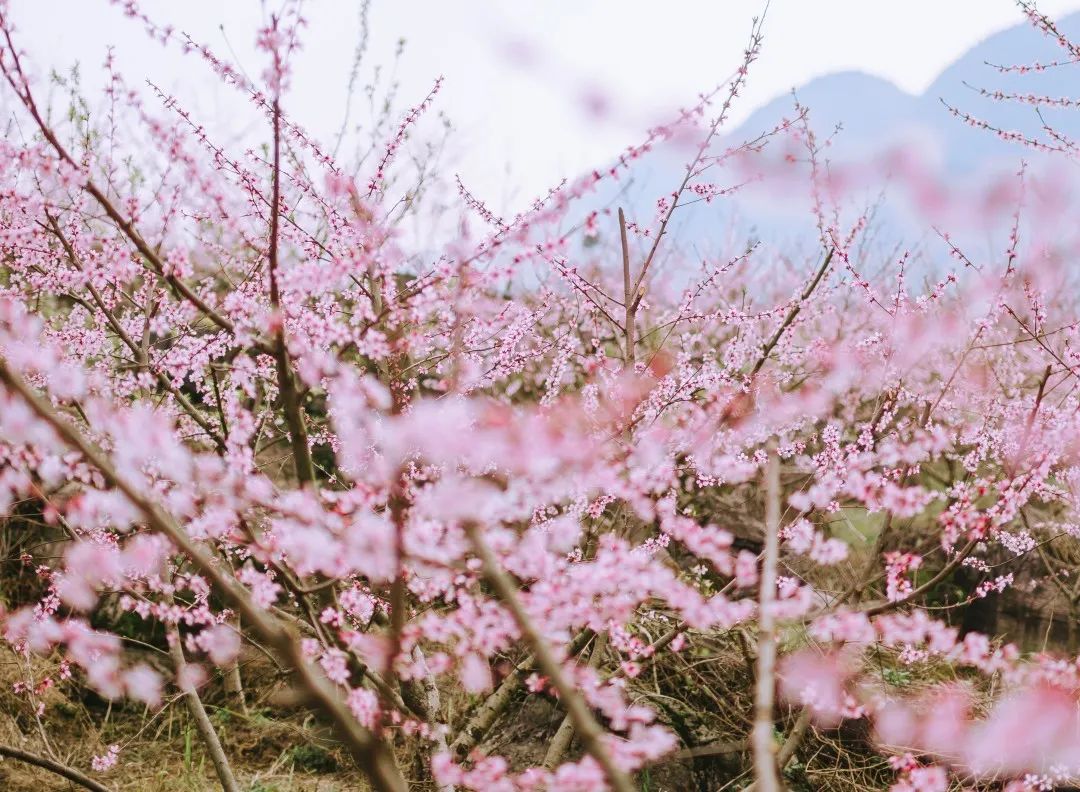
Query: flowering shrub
column 242, row 412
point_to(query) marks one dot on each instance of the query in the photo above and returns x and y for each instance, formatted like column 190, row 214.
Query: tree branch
column 761, row 738
column 565, row 733
column 198, row 713
column 372, row 755
column 592, row 736
column 792, row 313
column 70, row 773
column 286, row 378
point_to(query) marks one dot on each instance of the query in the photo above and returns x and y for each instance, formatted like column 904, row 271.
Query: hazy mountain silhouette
column 874, row 113
column 876, row 117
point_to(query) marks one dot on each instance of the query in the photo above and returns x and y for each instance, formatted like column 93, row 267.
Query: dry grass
column 273, row 749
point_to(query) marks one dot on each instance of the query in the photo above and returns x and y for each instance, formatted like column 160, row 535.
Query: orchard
column 563, row 501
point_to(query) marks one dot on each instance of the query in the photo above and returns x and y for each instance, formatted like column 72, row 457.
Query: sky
column 523, row 77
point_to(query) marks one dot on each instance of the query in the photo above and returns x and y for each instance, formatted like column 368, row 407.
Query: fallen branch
column 791, row 744
column 565, row 733
column 487, row 713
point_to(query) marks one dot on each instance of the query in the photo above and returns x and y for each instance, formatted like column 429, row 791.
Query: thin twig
column 793, row 312
column 629, row 298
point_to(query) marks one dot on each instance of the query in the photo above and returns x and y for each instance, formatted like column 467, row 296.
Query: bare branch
column 198, row 713
column 592, row 736
column 761, row 738
column 70, row 773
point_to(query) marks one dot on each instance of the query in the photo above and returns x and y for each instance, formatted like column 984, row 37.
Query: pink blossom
column 107, row 760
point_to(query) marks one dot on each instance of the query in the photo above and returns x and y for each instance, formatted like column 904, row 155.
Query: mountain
column 875, row 117
column 872, row 111
column 875, row 114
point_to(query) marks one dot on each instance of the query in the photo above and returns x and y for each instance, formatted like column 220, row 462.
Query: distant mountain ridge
column 875, row 113
column 876, row 117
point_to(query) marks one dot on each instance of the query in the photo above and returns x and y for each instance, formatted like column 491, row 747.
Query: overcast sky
column 519, row 73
